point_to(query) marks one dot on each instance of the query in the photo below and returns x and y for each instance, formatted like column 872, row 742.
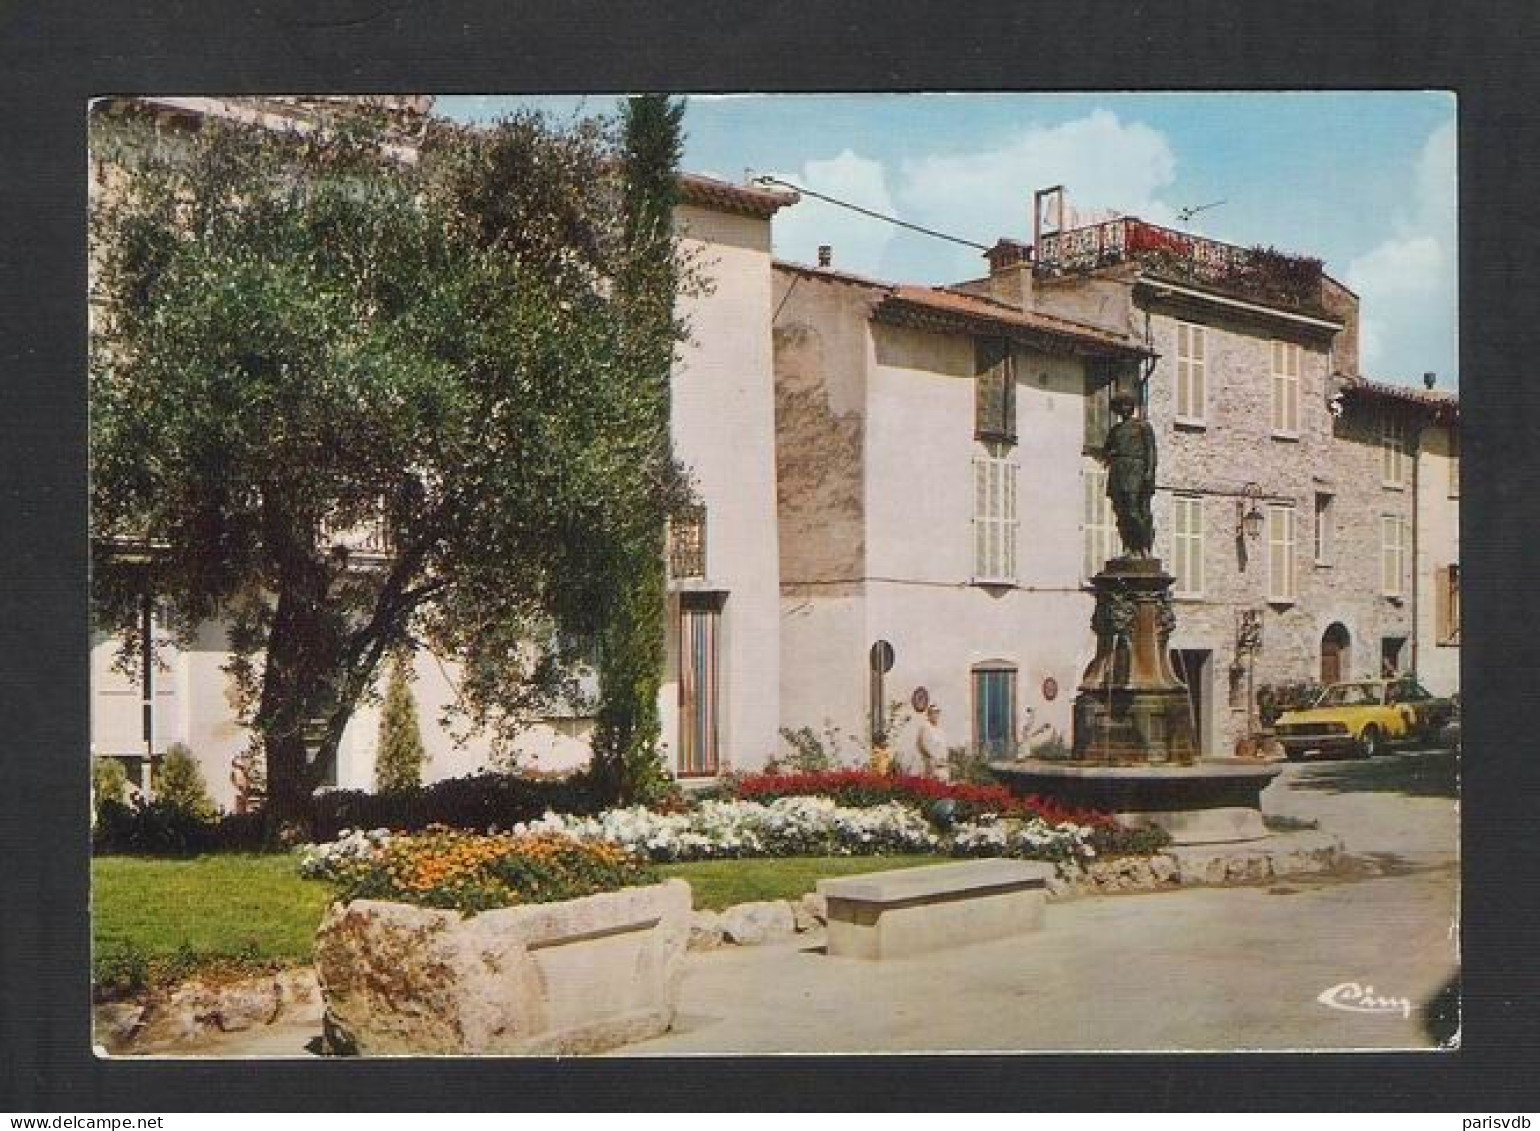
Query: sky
column 1365, row 181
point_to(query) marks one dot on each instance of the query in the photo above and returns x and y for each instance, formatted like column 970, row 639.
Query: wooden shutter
column 994, row 390
column 1191, row 393
column 1442, row 605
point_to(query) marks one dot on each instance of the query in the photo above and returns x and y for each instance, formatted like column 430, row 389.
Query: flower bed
column 807, row 826
column 470, row 872
column 862, row 788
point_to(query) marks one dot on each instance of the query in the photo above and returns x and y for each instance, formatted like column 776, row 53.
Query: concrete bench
column 917, row 910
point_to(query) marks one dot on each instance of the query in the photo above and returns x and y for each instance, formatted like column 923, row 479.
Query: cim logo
column 1355, row 997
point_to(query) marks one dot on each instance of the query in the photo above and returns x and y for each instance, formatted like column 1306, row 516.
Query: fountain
column 1135, row 751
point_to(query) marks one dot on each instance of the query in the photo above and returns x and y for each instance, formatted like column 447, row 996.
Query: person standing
column 933, row 745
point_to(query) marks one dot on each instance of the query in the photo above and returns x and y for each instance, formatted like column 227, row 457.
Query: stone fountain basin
column 1210, row 802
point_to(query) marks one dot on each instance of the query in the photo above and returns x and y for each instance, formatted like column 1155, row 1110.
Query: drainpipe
column 147, row 682
column 1416, row 563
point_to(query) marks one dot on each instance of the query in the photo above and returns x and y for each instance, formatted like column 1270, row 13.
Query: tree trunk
column 298, row 678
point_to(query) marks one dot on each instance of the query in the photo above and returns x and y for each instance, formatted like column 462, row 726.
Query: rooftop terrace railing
column 1257, row 273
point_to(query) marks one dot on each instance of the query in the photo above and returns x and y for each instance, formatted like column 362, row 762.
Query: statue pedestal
column 1135, row 751
column 1132, row 709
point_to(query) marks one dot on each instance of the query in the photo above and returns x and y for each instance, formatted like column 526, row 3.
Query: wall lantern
column 1248, row 515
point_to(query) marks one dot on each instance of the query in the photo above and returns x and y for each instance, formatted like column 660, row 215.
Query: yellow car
column 1362, row 718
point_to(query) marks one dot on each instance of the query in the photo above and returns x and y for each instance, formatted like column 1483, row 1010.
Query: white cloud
column 1103, row 163
column 1408, row 283
column 858, row 241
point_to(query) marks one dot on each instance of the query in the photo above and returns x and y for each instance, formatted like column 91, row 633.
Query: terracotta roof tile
column 977, row 308
column 1438, row 399
column 712, row 193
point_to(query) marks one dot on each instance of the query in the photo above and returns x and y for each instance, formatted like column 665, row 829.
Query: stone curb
column 1307, row 852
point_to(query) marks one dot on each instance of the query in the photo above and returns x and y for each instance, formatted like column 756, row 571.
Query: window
column 1393, row 451
column 1446, row 592
column 1103, row 378
column 1392, row 554
column 994, row 710
column 687, row 544
column 1286, row 365
column 1325, row 529
column 1101, row 531
column 1281, row 582
column 994, row 517
column 994, row 407
column 1454, row 464
column 1191, row 376
column 1187, row 545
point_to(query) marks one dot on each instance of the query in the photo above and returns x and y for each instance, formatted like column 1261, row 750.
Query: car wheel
column 1369, row 741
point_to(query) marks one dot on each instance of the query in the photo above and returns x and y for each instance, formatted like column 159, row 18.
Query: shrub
column 811, row 754
column 119, row 971
column 470, row 872
column 479, row 801
column 969, row 766
column 401, row 754
column 178, row 784
column 109, row 783
column 1113, row 839
column 1051, row 747
column 1274, row 699
column 124, row 969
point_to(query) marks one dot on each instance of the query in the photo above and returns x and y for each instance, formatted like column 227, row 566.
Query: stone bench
column 917, row 910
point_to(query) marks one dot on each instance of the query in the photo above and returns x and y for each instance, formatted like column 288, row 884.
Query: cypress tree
column 401, row 754
column 633, row 643
column 180, row 785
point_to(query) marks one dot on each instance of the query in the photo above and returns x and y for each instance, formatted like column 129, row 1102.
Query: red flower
column 865, row 787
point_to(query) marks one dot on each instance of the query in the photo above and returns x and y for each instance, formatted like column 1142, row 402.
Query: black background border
column 54, row 56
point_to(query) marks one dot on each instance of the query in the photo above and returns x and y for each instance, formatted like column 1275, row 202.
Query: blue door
column 994, row 711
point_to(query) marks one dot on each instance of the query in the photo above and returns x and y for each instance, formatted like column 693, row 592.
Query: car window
column 1348, row 695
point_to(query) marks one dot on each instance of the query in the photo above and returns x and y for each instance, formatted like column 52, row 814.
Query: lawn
column 160, row 920
column 157, row 920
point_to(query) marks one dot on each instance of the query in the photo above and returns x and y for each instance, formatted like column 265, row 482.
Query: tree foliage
column 633, row 645
column 298, row 337
column 398, row 765
column 179, row 783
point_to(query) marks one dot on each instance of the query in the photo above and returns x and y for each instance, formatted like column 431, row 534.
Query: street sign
column 882, row 657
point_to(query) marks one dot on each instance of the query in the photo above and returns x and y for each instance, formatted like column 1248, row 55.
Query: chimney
column 1429, row 380
column 825, row 255
column 1010, row 272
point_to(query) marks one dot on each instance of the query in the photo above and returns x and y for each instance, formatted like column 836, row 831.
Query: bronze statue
column 1130, row 456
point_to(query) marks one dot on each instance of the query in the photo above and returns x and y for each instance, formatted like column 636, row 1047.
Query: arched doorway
column 1335, row 642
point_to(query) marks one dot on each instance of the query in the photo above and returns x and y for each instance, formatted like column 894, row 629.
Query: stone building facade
column 1278, row 509
column 1427, row 422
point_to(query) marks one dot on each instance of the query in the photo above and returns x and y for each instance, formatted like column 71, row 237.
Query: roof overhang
column 1443, row 407
column 1160, row 288
column 708, row 192
column 1038, row 331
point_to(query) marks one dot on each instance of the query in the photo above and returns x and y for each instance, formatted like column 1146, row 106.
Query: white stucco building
column 931, row 500
column 719, row 702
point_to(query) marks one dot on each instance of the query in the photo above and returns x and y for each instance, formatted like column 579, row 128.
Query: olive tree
column 301, row 335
